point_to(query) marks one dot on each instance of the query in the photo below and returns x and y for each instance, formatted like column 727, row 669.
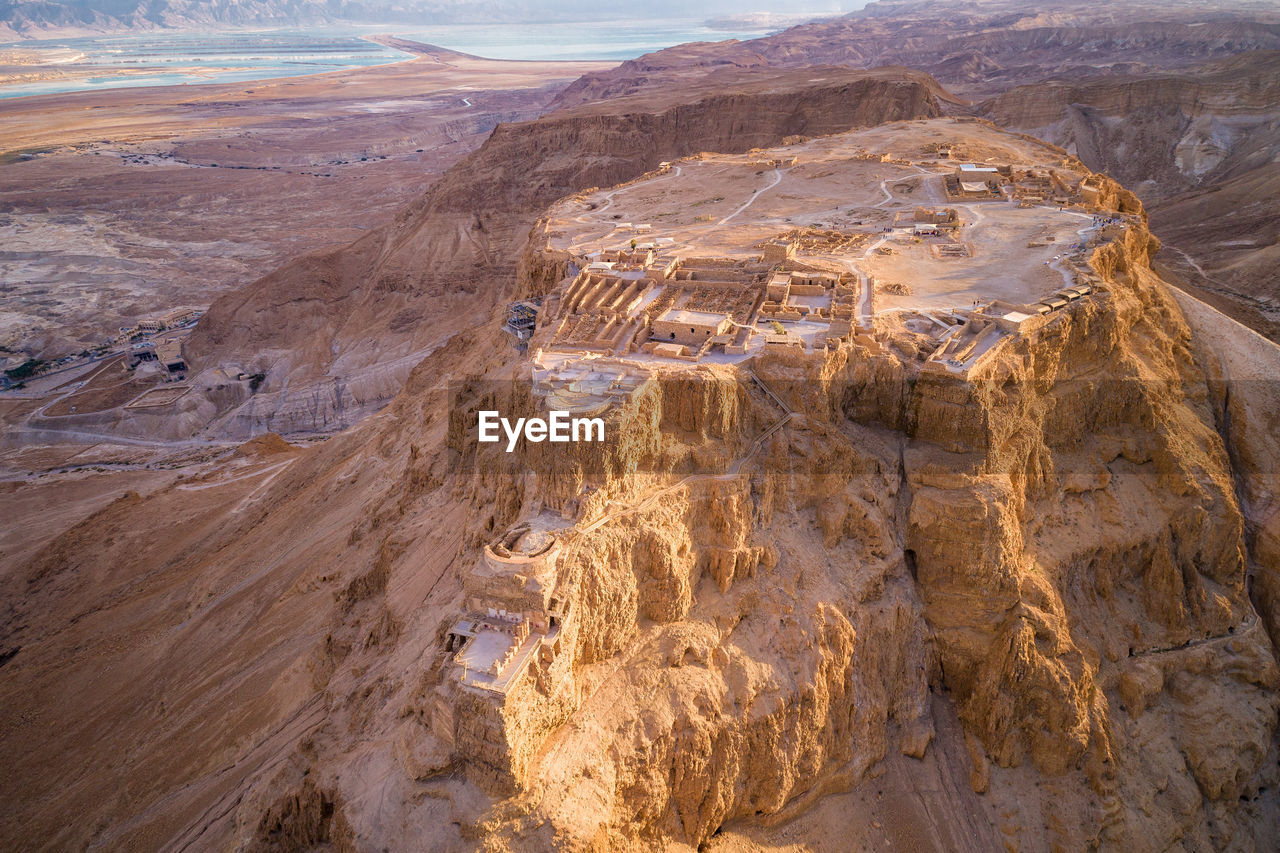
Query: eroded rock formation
column 1038, row 579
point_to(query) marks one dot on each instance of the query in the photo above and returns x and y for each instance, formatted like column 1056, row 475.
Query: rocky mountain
column 980, row 49
column 1126, row 90
column 324, row 329
column 1026, row 597
column 830, row 600
column 1176, row 102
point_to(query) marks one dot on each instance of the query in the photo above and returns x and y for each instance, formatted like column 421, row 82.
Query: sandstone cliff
column 1032, row 584
column 338, row 333
column 1055, row 546
column 1039, row 602
column 1157, row 133
column 1178, row 107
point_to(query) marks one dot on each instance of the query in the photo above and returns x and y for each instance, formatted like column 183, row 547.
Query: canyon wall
column 1159, row 134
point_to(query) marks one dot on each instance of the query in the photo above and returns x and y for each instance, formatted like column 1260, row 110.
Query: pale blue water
column 239, row 56
column 594, row 40
column 218, row 57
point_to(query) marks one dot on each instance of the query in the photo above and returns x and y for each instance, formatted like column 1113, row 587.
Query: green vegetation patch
column 17, row 155
column 25, row 370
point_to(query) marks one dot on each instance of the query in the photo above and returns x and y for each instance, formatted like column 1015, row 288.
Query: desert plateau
column 862, row 437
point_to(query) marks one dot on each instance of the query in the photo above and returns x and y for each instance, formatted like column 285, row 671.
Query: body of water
column 166, row 59
column 612, row 41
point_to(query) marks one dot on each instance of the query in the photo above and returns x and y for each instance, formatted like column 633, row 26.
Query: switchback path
column 1246, row 627
column 214, row 484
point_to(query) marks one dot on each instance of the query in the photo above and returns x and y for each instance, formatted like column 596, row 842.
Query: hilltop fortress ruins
column 715, row 259
column 768, row 269
column 916, row 479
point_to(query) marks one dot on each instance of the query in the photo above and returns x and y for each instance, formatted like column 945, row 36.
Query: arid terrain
column 936, row 507
column 123, row 204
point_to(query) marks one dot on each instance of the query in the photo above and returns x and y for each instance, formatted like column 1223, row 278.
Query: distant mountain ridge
column 43, row 18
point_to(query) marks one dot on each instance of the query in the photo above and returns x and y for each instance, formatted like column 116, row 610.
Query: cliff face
column 1157, row 133
column 336, row 333
column 1055, row 546
column 1176, row 104
column 1024, row 593
column 1086, row 579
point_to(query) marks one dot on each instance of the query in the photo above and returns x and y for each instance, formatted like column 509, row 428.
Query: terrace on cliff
column 513, row 610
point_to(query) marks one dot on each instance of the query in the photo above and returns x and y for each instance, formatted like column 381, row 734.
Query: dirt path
column 592, row 217
column 777, row 178
column 199, row 487
column 864, row 282
column 888, row 196
column 1248, row 626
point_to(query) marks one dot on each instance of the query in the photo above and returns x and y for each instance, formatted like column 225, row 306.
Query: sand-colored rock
column 1024, row 589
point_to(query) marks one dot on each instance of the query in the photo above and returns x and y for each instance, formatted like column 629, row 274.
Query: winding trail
column 864, row 309
column 888, row 196
column 46, row 435
column 1246, row 627
column 608, row 197
column 777, row 178
column 199, row 487
column 591, row 216
column 1192, row 261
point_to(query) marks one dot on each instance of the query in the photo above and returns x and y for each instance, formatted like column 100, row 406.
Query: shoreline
column 57, row 70
column 52, row 73
column 219, row 87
